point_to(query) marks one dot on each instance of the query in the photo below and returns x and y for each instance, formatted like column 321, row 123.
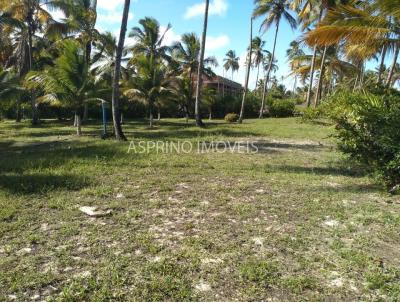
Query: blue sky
column 228, row 26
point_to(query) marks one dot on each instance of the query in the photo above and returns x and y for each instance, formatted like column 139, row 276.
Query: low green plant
column 231, row 117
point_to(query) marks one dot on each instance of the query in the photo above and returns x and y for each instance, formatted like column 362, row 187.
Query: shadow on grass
column 41, row 183
column 333, row 171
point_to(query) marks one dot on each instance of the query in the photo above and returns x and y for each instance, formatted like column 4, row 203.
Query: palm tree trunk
column 78, row 124
column 18, row 111
column 158, row 114
column 258, row 74
column 119, row 135
column 392, row 69
column 382, row 64
column 151, row 116
column 35, row 119
column 268, row 73
column 199, row 122
column 295, row 84
column 321, row 78
column 310, row 87
column 210, row 115
column 246, row 85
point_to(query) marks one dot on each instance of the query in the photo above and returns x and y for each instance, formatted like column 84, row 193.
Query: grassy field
column 292, row 222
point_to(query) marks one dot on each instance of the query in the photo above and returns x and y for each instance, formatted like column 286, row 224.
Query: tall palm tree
column 246, row 85
column 68, row 82
column 199, row 122
column 258, row 54
column 119, row 134
column 231, row 62
column 274, row 11
column 186, row 53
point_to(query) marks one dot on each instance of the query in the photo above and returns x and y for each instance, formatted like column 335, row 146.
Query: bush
column 282, row 108
column 312, row 114
column 367, row 127
column 231, row 117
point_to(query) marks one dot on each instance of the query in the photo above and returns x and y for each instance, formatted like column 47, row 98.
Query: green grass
column 293, row 222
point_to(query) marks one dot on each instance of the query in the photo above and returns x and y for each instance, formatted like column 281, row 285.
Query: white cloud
column 217, row 7
column 218, row 42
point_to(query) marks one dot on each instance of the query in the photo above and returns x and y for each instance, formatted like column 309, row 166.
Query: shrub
column 367, row 127
column 312, row 114
column 282, row 108
column 231, row 117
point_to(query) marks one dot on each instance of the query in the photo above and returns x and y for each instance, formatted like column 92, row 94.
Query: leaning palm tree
column 231, row 62
column 199, row 122
column 119, row 134
column 68, row 82
column 274, row 11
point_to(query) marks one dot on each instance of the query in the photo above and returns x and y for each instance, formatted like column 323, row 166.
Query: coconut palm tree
column 199, row 122
column 274, row 11
column 149, row 84
column 371, row 26
column 292, row 52
column 186, row 53
column 258, row 54
column 231, row 62
column 149, row 40
column 79, row 22
column 119, row 134
column 68, row 82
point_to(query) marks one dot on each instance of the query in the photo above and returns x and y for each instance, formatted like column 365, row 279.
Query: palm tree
column 119, row 134
column 246, row 85
column 149, row 40
column 231, row 62
column 275, row 11
column 186, row 53
column 149, row 84
column 32, row 17
column 258, row 54
column 371, row 26
column 80, row 22
column 334, row 65
column 291, row 53
column 199, row 122
column 68, row 82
